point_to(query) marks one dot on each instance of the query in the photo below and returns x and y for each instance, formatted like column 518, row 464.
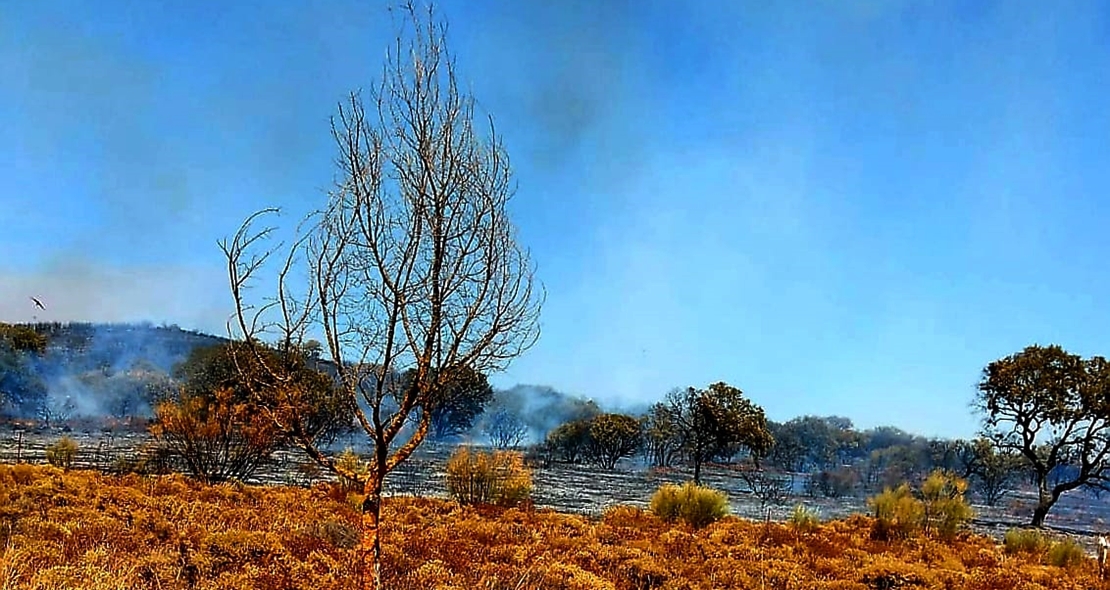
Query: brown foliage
column 218, row 437
column 499, row 478
column 81, row 530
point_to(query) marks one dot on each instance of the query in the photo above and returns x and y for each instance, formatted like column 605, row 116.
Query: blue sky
column 848, row 209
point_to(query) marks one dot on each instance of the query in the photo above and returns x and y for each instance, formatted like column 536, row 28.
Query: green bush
column 1025, row 541
column 1066, row 554
column 692, row 503
column 499, row 478
column 898, row 515
column 940, row 508
column 946, row 509
column 62, row 453
column 804, row 519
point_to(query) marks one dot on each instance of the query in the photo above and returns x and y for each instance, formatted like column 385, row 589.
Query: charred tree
column 412, row 267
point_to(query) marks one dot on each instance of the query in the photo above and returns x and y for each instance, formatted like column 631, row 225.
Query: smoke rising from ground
column 541, row 408
column 98, row 371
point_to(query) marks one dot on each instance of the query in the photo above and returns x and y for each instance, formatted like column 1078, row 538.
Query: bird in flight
column 38, row 303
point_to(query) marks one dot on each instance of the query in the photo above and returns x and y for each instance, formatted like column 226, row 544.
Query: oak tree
column 613, row 437
column 569, row 441
column 661, row 443
column 459, row 403
column 1053, row 409
column 217, row 422
column 709, row 420
column 993, row 471
column 217, row 436
column 22, row 391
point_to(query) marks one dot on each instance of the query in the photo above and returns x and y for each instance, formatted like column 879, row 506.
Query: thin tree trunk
column 697, row 471
column 371, row 547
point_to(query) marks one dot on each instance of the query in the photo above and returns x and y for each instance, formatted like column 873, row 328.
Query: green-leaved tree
column 1052, row 408
column 716, row 418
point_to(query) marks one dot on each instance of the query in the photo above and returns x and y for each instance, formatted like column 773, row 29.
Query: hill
column 117, row 347
column 93, row 369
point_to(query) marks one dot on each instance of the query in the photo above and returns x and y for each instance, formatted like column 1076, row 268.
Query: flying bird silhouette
column 38, row 303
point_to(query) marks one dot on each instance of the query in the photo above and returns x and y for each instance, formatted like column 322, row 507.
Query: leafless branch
column 413, row 266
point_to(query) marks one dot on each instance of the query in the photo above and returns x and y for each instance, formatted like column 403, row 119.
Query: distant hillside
column 119, row 370
column 116, row 347
column 91, row 369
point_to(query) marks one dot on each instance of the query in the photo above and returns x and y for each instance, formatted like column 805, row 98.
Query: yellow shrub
column 692, row 503
column 898, row 515
column 349, row 461
column 946, row 509
column 941, row 509
column 1066, row 554
column 1025, row 541
column 499, row 478
column 62, row 453
column 804, row 519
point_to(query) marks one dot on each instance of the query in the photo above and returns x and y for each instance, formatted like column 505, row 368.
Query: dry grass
column 500, row 477
column 83, row 530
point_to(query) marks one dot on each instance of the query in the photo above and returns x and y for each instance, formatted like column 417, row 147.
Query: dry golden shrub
column 696, row 505
column 82, row 530
column 499, row 478
column 62, row 453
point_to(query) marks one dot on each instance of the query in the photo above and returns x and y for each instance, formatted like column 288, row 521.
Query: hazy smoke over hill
column 542, row 408
column 118, row 370
column 99, row 370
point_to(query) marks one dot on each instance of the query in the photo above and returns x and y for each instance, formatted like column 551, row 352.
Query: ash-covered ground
column 571, row 488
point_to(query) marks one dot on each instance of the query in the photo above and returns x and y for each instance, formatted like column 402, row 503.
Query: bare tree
column 770, row 490
column 56, row 410
column 505, row 430
column 412, row 267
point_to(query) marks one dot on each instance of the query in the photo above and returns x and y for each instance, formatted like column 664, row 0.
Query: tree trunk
column 371, row 546
column 1044, row 503
column 697, row 470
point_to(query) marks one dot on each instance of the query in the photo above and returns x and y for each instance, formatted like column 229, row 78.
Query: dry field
column 85, row 530
column 575, row 489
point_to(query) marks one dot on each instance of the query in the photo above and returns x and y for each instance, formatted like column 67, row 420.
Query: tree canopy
column 613, row 437
column 259, row 376
column 458, row 402
column 710, row 420
column 22, row 391
column 1053, row 409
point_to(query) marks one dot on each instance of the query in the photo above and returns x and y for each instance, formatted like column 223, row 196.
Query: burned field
column 79, row 529
column 568, row 488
